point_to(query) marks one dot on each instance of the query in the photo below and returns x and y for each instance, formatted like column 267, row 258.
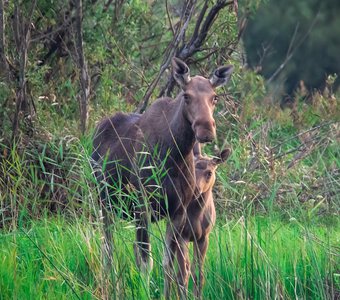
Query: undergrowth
column 277, row 199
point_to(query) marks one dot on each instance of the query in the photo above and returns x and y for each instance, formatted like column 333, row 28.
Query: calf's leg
column 200, row 251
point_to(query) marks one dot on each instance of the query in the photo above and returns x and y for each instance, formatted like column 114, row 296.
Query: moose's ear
column 181, row 72
column 223, row 156
column 221, row 76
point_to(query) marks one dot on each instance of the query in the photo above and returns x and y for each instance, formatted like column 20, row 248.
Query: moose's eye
column 186, row 98
column 208, row 175
column 215, row 99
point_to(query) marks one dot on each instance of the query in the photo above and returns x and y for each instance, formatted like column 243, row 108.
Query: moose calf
column 200, row 219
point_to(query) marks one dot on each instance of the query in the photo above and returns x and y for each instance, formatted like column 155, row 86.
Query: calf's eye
column 215, row 99
column 208, row 175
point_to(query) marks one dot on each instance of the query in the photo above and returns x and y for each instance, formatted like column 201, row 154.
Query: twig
column 84, row 77
column 169, row 18
column 302, row 133
column 291, row 51
column 22, row 34
column 3, row 58
column 308, row 149
column 199, row 22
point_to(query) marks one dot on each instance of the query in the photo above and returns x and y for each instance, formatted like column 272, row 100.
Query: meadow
column 277, row 234
column 248, row 258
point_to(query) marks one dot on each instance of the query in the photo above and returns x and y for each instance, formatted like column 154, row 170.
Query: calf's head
column 205, row 170
column 199, row 97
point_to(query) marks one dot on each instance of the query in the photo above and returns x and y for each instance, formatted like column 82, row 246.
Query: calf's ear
column 221, row 76
column 225, row 153
column 181, row 72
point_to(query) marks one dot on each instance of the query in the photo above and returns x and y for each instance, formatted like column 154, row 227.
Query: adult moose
column 128, row 147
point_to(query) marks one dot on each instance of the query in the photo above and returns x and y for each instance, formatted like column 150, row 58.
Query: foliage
column 277, row 212
column 277, row 197
column 303, row 36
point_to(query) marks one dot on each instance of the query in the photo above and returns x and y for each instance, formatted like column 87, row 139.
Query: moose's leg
column 194, row 267
column 183, row 267
column 142, row 247
column 168, row 260
column 200, row 251
column 173, row 231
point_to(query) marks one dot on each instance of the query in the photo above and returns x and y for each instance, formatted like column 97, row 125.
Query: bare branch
column 195, row 44
column 169, row 18
column 291, row 51
column 302, row 133
column 199, row 21
column 186, row 16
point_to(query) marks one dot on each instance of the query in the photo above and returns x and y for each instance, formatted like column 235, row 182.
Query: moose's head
column 205, row 169
column 199, row 97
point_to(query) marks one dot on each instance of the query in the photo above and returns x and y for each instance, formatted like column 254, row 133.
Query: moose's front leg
column 183, row 267
column 142, row 247
column 168, row 260
column 173, row 232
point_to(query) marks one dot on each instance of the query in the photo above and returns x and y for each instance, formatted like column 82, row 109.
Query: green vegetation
column 277, row 234
column 256, row 257
column 302, row 36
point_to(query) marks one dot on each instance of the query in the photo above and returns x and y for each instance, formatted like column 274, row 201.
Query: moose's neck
column 165, row 125
column 181, row 134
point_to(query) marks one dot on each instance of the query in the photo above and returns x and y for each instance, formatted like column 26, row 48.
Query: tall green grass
column 277, row 235
column 248, row 258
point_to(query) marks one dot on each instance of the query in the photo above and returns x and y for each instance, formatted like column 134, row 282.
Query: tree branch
column 195, row 44
column 186, row 16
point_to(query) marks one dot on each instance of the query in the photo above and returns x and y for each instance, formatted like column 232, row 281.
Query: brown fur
column 199, row 221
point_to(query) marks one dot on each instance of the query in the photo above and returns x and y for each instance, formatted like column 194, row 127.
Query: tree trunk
column 83, row 73
column 3, row 60
column 22, row 36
